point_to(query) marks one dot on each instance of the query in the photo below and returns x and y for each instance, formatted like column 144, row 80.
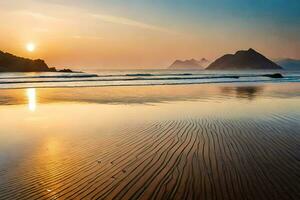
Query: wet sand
column 229, row 141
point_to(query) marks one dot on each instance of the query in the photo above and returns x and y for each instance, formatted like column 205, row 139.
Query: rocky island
column 191, row 64
column 12, row 63
column 244, row 60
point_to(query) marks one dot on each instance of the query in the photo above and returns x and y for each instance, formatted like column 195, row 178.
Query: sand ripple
column 211, row 158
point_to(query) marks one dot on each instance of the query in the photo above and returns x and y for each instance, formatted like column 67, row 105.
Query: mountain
column 12, row 63
column 243, row 60
column 289, row 64
column 189, row 64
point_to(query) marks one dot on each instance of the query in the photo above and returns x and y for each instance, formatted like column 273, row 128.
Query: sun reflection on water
column 31, row 95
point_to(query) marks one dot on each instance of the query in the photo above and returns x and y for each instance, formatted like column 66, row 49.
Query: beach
column 149, row 100
column 206, row 141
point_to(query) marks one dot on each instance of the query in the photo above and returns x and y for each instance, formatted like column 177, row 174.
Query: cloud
column 129, row 22
column 36, row 15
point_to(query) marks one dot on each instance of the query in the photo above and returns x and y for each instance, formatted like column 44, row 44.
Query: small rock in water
column 276, row 75
column 48, row 190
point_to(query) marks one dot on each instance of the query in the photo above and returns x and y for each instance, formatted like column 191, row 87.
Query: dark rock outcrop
column 276, row 75
column 12, row 63
column 243, row 60
column 66, row 71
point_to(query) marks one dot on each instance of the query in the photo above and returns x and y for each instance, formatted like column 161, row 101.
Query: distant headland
column 289, row 64
column 191, row 64
column 12, row 63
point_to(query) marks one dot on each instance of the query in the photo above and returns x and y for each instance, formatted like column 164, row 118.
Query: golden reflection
column 52, row 147
column 31, row 95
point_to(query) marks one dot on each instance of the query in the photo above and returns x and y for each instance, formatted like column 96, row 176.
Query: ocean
column 137, row 77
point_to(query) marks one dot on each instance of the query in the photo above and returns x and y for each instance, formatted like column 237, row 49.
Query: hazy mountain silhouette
column 189, row 64
column 289, row 64
column 243, row 60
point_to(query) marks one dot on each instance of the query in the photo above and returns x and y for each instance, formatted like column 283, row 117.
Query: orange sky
column 92, row 35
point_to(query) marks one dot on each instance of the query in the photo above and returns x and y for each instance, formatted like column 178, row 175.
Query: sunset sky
column 146, row 34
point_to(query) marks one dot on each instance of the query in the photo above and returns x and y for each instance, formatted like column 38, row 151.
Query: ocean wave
column 171, row 74
column 121, row 79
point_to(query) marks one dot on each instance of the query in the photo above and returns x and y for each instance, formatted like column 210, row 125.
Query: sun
column 30, row 47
